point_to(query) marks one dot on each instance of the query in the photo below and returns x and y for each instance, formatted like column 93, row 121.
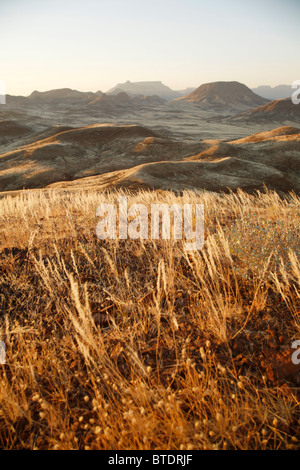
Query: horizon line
column 143, row 81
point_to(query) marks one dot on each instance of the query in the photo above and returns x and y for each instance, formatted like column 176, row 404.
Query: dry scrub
column 141, row 344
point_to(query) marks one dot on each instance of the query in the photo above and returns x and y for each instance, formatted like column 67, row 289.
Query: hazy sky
column 94, row 44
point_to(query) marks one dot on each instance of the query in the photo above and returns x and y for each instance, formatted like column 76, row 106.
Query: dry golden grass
column 142, row 344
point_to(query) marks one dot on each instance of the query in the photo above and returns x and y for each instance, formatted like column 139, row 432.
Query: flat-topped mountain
column 224, row 95
column 147, row 89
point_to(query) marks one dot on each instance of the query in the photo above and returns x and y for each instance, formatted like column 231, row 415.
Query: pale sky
column 92, row 45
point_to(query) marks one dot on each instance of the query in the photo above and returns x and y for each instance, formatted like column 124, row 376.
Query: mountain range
column 274, row 93
column 66, row 96
column 216, row 94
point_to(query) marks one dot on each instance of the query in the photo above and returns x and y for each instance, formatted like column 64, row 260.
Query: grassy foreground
column 142, row 344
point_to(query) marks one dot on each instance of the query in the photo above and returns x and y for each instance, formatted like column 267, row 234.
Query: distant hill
column 15, row 100
column 69, row 97
column 224, row 95
column 60, row 95
column 118, row 99
column 124, row 100
column 186, row 91
column 276, row 111
column 147, row 89
column 274, row 93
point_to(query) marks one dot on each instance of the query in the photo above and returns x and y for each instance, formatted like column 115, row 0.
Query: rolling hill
column 70, row 153
column 276, row 111
column 108, row 155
